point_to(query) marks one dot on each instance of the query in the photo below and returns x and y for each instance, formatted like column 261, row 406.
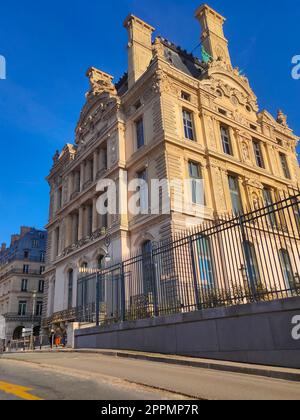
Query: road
column 51, row 376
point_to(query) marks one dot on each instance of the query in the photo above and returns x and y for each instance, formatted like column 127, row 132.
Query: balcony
column 85, row 241
column 21, row 272
column 68, row 315
column 14, row 317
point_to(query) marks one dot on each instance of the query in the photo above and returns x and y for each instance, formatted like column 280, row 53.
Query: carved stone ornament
column 158, row 49
column 100, row 83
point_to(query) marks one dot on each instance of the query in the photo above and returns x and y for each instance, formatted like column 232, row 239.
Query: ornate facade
column 172, row 116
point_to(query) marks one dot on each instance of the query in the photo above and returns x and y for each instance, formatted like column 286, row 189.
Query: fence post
column 123, row 298
column 154, row 286
column 197, row 295
column 97, row 299
column 248, row 257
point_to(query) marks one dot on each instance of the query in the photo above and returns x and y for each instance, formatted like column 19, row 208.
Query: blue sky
column 49, row 46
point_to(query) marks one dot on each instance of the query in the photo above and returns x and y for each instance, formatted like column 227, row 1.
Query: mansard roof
column 182, row 60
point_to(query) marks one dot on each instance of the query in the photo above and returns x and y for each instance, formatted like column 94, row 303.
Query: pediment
column 93, row 110
column 266, row 117
column 221, row 76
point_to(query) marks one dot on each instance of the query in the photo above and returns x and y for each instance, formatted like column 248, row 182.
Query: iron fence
column 243, row 259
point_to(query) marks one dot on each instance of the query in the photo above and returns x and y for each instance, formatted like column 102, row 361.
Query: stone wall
column 256, row 333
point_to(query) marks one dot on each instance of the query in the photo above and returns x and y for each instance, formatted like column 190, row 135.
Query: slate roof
column 176, row 56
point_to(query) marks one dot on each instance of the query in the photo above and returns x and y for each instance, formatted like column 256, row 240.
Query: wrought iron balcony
column 79, row 244
column 68, row 315
column 14, row 317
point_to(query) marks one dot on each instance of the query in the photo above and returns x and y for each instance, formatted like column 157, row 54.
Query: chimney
column 14, row 238
column 3, row 247
column 24, row 230
column 139, row 47
column 213, row 38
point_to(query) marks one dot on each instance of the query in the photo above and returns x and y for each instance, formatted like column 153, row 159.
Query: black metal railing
column 249, row 258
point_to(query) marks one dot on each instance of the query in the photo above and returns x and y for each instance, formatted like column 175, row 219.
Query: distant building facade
column 22, row 267
column 172, row 116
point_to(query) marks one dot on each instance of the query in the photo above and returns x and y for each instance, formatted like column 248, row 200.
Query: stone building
column 22, row 267
column 172, row 116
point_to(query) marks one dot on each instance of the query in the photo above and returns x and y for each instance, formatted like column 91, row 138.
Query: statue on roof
column 56, row 156
column 282, row 118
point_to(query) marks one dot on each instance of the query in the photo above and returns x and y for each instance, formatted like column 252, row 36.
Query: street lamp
column 34, row 295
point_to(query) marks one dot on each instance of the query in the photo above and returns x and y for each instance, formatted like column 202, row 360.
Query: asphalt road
column 73, row 376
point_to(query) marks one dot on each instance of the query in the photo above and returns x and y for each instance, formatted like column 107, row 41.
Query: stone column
column 95, row 168
column 81, row 224
column 70, row 185
column 69, row 230
column 244, row 197
column 103, row 159
column 95, row 215
column 82, row 177
column 234, row 139
column 88, row 168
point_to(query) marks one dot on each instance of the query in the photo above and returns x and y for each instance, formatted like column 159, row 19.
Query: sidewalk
column 223, row 366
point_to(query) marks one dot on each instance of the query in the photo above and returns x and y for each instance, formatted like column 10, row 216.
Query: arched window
column 70, row 289
column 287, row 268
column 205, row 261
column 100, row 262
column 17, row 335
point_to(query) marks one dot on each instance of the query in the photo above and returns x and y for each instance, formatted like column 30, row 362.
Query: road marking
column 18, row 391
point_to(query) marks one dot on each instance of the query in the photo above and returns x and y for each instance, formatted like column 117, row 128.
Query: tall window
column 296, row 209
column 41, row 286
column 35, row 243
column 59, row 198
column 252, row 263
column 235, row 195
column 22, row 308
column 226, row 141
column 285, row 166
column 39, row 309
column 205, row 262
column 24, row 285
column 57, row 240
column 42, row 256
column 148, row 269
column 287, row 268
column 268, row 199
column 42, row 269
column 188, row 124
column 258, row 154
column 70, row 289
column 196, row 185
column 140, row 137
column 25, row 269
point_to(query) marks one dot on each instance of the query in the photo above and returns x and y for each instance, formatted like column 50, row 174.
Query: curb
column 231, row 367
